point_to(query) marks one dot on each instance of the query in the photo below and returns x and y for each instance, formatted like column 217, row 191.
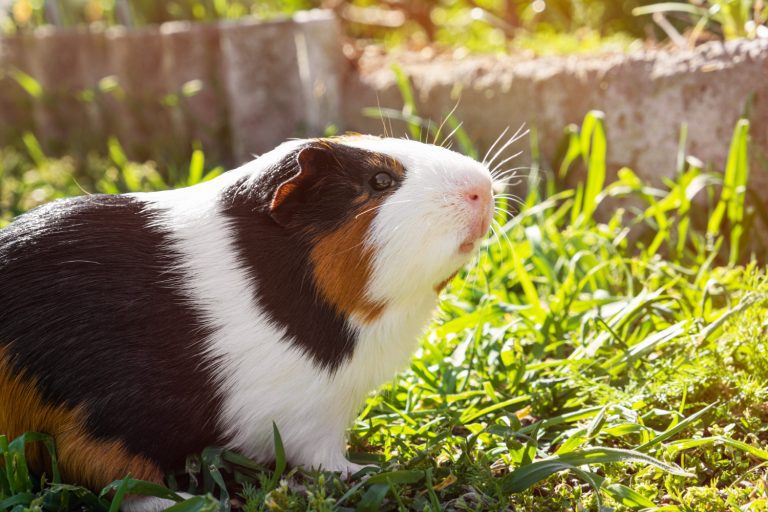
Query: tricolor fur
column 140, row 328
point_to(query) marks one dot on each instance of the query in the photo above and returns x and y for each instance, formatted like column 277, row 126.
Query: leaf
column 405, row 476
column 627, row 497
column 687, row 444
column 34, row 149
column 213, row 461
column 116, row 153
column 526, row 476
column 671, row 7
column 141, row 487
column 24, row 498
column 205, row 503
column 594, row 149
column 471, row 415
column 119, row 496
column 16, row 463
column 28, row 83
column 373, row 498
column 280, row 461
column 573, row 152
column 196, row 167
column 409, row 101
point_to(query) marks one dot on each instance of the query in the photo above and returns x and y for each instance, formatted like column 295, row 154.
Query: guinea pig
column 139, row 328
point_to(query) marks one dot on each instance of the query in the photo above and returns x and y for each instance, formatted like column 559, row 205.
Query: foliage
column 576, row 364
column 538, row 26
column 730, row 18
column 24, row 14
column 543, row 27
column 29, row 180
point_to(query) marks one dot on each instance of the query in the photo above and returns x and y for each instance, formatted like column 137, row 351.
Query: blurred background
column 541, row 26
column 620, row 302
column 97, row 85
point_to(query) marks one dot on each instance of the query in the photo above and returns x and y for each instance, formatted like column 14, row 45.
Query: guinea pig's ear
column 291, row 194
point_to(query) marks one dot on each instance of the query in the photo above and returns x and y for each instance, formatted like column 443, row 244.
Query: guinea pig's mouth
column 468, row 246
column 477, row 232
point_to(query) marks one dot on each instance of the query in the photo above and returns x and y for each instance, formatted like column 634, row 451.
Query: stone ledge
column 646, row 97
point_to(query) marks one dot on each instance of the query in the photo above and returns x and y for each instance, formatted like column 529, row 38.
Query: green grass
column 575, row 365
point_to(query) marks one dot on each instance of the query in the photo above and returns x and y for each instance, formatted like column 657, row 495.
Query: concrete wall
column 646, row 97
column 239, row 88
column 262, row 82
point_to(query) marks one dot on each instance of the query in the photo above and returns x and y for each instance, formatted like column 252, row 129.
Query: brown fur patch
column 386, row 162
column 443, row 284
column 341, row 259
column 374, row 159
column 83, row 460
column 342, row 265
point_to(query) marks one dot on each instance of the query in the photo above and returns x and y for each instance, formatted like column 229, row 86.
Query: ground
column 574, row 365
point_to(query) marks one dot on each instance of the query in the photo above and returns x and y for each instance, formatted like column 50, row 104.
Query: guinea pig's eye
column 382, row 181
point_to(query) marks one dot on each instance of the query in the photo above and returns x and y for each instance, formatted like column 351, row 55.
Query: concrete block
column 191, row 54
column 142, row 121
column 321, row 68
column 646, row 97
column 15, row 103
column 266, row 98
column 58, row 60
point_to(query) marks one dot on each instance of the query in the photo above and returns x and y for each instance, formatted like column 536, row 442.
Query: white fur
column 417, row 232
column 149, row 503
column 264, row 378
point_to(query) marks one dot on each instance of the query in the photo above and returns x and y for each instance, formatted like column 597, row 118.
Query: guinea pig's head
column 387, row 219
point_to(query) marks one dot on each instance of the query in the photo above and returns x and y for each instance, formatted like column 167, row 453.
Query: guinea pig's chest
column 281, row 353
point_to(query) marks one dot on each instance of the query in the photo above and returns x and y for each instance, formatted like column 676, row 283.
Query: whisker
column 488, row 253
column 513, row 174
column 445, row 120
column 381, row 206
column 485, row 157
column 493, row 240
column 504, row 233
column 453, row 132
column 501, row 174
column 341, row 251
column 517, row 136
column 381, row 115
column 504, row 146
column 509, row 179
column 498, row 166
column 515, row 202
column 507, row 213
column 508, row 183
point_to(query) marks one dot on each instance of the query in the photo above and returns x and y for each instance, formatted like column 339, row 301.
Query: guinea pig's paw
column 352, row 471
column 149, row 503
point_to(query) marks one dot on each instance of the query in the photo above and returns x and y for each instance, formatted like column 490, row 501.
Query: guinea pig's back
column 96, row 338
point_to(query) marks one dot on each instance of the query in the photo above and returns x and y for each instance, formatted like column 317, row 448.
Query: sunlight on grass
column 594, row 355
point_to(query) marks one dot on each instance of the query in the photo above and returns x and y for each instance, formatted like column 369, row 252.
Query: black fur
column 277, row 256
column 90, row 308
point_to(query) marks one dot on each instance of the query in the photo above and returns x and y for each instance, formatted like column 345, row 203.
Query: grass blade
column 526, row 476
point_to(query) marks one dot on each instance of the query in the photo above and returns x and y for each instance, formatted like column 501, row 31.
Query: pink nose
column 479, row 198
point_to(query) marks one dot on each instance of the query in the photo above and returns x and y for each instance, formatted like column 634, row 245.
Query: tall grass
column 591, row 358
